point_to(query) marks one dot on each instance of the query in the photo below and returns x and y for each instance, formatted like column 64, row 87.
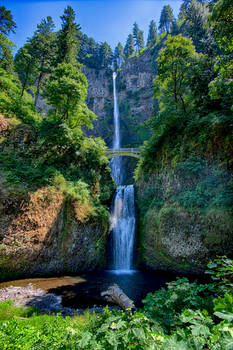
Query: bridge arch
column 123, row 152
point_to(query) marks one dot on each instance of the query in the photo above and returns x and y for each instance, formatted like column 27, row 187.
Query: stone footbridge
column 129, row 152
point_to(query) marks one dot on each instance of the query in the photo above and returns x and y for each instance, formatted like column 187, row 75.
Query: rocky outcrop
column 181, row 229
column 41, row 232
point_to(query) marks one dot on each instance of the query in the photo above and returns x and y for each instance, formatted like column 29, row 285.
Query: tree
column 43, row 49
column 135, row 35
column 118, row 56
column 129, row 46
column 140, row 43
column 194, row 25
column 221, row 22
column 7, row 24
column 66, row 92
column 68, row 37
column 26, row 66
column 172, row 81
column 152, row 35
column 105, row 55
column 6, row 59
column 138, row 37
column 166, row 19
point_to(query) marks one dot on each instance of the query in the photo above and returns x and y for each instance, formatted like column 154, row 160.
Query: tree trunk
column 116, row 296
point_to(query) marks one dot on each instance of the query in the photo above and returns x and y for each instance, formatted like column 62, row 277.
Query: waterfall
column 123, row 214
column 122, row 225
column 116, row 163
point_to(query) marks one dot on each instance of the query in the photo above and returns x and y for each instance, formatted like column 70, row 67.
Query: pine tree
column 135, row 35
column 44, row 49
column 26, row 66
column 129, row 46
column 7, row 24
column 105, row 53
column 166, row 19
column 138, row 37
column 68, row 37
column 141, row 43
column 118, row 56
column 152, row 36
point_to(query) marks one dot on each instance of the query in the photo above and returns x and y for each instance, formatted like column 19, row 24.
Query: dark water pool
column 135, row 284
column 83, row 291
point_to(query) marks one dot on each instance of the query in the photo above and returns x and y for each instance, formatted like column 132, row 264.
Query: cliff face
column 135, row 99
column 42, row 230
column 42, row 233
column 178, row 237
column 185, row 196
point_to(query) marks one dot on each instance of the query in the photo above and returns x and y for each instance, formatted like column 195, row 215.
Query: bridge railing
column 122, row 150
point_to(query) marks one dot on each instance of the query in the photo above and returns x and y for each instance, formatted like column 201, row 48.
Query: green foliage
column 6, row 59
column 26, row 66
column 194, row 25
column 66, row 92
column 172, row 81
column 118, row 56
column 152, row 35
column 138, row 38
column 221, row 22
column 165, row 306
column 8, row 311
column 7, row 23
column 129, row 46
column 221, row 271
column 166, row 19
column 68, row 37
column 11, row 103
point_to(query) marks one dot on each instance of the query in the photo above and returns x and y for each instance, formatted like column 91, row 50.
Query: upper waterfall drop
column 116, row 163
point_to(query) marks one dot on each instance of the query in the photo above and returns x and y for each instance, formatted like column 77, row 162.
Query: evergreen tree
column 152, row 35
column 141, row 43
column 44, row 50
column 7, row 24
column 26, row 65
column 129, row 46
column 166, row 19
column 118, row 56
column 138, row 37
column 135, row 35
column 68, row 37
column 105, row 55
column 194, row 25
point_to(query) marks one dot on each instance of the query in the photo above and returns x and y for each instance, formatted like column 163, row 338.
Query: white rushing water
column 122, row 225
column 123, row 214
column 116, row 163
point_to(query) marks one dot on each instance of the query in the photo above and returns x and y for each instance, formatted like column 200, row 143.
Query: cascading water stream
column 116, row 163
column 123, row 214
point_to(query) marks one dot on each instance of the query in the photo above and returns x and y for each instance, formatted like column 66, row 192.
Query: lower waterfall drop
column 122, row 226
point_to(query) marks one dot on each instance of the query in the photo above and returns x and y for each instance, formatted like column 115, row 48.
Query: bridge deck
column 116, row 152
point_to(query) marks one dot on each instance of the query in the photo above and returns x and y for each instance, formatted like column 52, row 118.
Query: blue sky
column 104, row 20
